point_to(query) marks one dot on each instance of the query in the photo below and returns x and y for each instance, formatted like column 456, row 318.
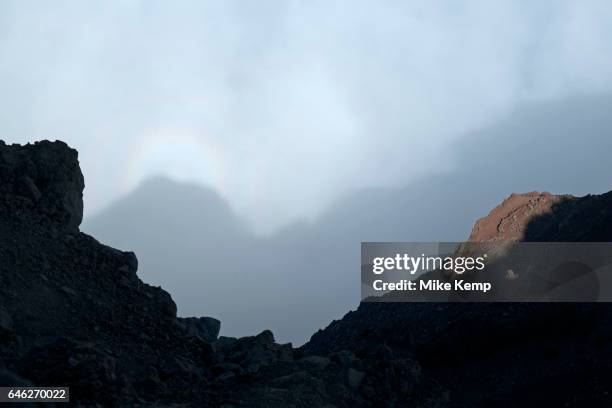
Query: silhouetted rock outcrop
column 205, row 328
column 44, row 177
column 502, row 354
column 73, row 312
column 71, row 309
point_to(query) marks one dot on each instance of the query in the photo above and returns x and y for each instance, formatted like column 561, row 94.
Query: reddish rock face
column 509, row 220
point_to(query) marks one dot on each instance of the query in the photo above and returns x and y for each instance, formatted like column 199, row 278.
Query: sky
column 284, row 106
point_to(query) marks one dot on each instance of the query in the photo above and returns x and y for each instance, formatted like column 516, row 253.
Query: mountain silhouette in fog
column 186, row 236
column 189, row 240
column 175, row 208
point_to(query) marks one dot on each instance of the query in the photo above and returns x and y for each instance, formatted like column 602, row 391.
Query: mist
column 243, row 150
column 285, row 107
column 300, row 278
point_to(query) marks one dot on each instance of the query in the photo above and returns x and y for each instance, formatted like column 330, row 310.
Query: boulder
column 205, row 328
column 47, row 175
column 354, row 378
column 253, row 352
column 90, row 371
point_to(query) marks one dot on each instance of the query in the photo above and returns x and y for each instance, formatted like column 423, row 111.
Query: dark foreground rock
column 74, row 313
column 502, row 355
column 204, row 328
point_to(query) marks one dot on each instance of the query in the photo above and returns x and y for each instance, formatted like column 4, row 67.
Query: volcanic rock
column 500, row 354
column 205, row 328
column 73, row 312
column 44, row 177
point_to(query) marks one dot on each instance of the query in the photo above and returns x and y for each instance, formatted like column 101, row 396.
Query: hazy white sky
column 283, row 106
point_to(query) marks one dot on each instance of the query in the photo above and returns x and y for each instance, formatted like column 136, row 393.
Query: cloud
column 303, row 101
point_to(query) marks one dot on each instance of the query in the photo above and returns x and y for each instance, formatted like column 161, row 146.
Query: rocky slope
column 543, row 217
column 74, row 312
column 503, row 355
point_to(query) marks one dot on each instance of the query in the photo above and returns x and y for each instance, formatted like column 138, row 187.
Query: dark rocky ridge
column 74, row 312
column 46, row 179
column 502, row 354
column 74, row 309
